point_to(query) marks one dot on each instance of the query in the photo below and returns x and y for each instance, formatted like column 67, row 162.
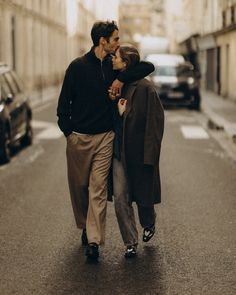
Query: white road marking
column 50, row 133
column 3, row 167
column 40, row 124
column 50, row 130
column 180, row 119
column 194, row 132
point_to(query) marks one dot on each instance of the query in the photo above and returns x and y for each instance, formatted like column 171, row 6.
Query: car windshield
column 173, row 71
column 165, row 71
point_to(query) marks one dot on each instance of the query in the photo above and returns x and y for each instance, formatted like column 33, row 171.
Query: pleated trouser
column 88, row 163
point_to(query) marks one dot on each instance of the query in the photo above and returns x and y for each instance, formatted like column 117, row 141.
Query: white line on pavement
column 50, row 133
column 50, row 130
column 194, row 132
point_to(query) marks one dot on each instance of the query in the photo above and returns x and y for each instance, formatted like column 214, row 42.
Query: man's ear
column 102, row 41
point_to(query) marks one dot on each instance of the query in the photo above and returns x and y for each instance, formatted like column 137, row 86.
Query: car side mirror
column 9, row 98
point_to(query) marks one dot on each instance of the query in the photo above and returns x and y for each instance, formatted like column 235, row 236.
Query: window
column 232, row 14
column 17, row 81
column 5, row 89
column 223, row 19
column 12, row 84
column 13, row 41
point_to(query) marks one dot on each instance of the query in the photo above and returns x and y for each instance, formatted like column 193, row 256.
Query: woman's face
column 117, row 62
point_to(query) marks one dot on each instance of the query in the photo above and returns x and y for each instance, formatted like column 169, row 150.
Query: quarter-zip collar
column 102, row 64
column 92, row 56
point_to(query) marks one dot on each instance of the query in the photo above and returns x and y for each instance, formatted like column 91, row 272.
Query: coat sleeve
column 138, row 72
column 64, row 103
column 154, row 128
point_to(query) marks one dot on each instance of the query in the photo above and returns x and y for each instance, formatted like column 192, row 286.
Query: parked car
column 15, row 113
column 175, row 80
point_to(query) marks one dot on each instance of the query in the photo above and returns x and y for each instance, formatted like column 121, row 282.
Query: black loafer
column 130, row 251
column 92, row 251
column 84, row 238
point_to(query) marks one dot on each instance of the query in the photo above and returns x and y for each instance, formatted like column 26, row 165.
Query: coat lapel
column 129, row 96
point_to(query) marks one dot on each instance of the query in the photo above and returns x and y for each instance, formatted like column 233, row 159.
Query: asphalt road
column 193, row 252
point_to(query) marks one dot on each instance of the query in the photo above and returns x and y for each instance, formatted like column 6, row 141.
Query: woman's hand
column 122, row 105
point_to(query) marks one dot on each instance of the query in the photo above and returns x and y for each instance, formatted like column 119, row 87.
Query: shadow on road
column 113, row 274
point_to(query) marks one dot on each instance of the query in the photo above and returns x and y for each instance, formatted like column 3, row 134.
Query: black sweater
column 84, row 105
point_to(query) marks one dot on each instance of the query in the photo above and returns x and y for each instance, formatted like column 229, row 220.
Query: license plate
column 175, row 94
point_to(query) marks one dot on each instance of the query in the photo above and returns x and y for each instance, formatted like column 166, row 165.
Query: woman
column 139, row 126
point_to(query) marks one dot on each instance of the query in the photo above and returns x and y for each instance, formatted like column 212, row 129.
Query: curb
column 49, row 94
column 216, row 122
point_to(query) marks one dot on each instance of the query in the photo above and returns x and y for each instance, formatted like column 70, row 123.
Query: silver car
column 175, row 80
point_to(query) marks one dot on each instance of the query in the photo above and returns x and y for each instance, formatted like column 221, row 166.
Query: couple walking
column 111, row 117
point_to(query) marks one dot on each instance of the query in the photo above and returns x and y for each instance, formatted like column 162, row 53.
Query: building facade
column 138, row 18
column 208, row 39
column 226, row 45
column 39, row 38
column 30, row 33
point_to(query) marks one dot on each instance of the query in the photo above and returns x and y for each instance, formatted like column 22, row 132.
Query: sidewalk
column 39, row 98
column 221, row 113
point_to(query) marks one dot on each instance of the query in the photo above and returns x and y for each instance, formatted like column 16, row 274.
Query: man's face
column 113, row 43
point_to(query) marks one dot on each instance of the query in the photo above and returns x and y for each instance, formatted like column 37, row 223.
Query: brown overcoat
column 143, row 126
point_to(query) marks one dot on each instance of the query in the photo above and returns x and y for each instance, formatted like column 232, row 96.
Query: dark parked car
column 15, row 113
column 175, row 80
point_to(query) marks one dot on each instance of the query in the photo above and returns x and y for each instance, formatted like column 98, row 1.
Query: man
column 85, row 116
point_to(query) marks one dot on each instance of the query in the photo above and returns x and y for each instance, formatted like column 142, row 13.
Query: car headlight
column 190, row 80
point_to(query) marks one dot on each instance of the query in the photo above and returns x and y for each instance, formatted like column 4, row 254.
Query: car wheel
column 6, row 151
column 196, row 101
column 27, row 139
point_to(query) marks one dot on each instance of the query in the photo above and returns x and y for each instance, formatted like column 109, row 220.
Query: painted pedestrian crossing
column 193, row 132
column 188, row 125
column 47, row 130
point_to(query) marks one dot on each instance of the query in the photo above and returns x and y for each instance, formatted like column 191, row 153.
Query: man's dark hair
column 129, row 54
column 102, row 29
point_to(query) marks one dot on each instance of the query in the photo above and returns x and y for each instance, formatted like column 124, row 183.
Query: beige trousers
column 88, row 163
